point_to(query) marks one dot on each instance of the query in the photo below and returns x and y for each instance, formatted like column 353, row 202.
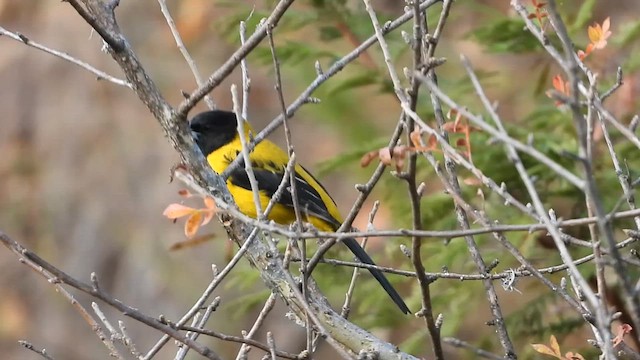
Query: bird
column 215, row 133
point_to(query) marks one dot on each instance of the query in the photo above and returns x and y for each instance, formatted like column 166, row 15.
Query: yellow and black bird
column 216, row 134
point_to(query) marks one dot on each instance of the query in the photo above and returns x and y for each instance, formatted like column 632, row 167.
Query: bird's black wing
column 269, row 177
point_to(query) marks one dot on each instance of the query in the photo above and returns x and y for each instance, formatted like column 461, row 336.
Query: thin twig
column 183, row 50
column 272, row 345
column 521, row 272
column 292, row 177
column 266, row 309
column 29, row 346
column 127, row 341
column 248, row 164
column 199, row 323
column 346, row 307
column 421, row 52
column 240, row 340
column 622, row 174
column 465, row 345
column 99, row 73
column 197, row 306
column 244, row 69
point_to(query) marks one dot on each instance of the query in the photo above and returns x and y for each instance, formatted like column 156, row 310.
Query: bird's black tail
column 359, row 252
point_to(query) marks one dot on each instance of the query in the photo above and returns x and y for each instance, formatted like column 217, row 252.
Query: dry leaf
column 175, row 211
column 543, row 349
column 192, row 224
column 554, row 345
column 194, row 241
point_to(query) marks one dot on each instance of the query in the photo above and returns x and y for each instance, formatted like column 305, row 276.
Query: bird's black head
column 213, row 129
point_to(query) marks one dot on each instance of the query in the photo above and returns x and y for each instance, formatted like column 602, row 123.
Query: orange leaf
column 543, row 349
column 208, row 215
column 192, row 224
column 174, row 211
column 589, row 49
column 432, row 141
column 539, row 11
column 461, row 142
column 594, row 33
column 210, row 203
column 554, row 345
column 598, row 34
column 389, row 156
column 416, row 138
column 559, row 84
column 367, row 158
column 582, row 55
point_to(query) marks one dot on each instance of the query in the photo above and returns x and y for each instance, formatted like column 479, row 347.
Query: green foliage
column 505, row 36
column 293, row 53
column 627, row 34
column 359, row 79
column 246, row 303
column 532, row 320
column 583, row 16
column 626, row 37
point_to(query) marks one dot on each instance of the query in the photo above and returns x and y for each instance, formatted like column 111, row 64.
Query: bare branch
column 100, row 74
column 183, row 50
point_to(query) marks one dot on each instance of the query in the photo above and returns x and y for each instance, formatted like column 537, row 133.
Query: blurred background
column 84, row 168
